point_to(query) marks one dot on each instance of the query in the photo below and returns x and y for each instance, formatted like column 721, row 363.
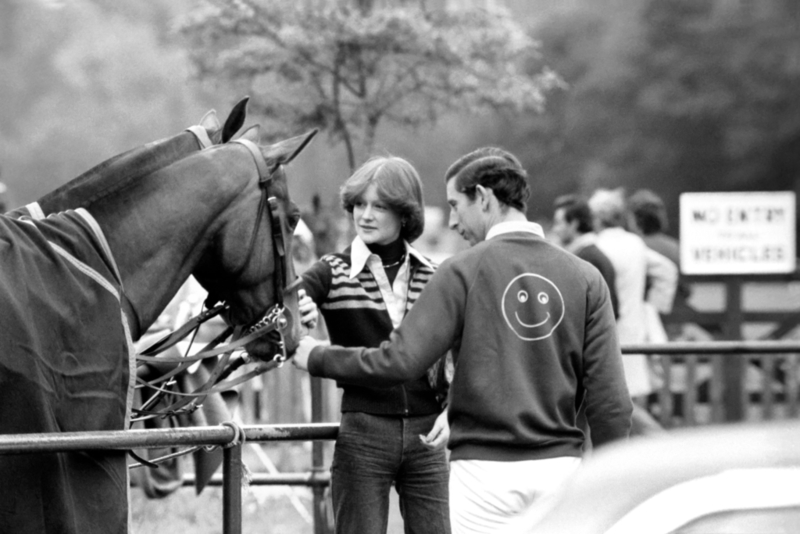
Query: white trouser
column 488, row 496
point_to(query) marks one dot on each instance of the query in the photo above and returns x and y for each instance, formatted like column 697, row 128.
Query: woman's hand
column 439, row 434
column 309, row 313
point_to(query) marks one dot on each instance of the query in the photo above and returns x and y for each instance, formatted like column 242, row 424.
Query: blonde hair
column 608, row 207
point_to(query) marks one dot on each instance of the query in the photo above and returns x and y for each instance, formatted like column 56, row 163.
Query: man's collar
column 515, row 226
column 360, row 253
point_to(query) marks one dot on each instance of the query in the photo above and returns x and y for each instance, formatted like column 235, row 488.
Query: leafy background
column 673, row 95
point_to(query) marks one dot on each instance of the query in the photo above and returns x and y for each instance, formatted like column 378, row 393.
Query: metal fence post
column 232, row 490
column 318, row 460
column 733, row 369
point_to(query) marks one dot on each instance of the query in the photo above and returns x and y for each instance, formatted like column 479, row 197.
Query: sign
column 737, row 233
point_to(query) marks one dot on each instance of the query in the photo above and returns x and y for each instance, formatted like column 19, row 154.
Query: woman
column 392, row 435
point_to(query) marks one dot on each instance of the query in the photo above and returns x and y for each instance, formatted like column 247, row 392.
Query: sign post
column 737, row 234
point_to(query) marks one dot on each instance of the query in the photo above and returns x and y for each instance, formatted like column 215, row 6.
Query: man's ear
column 573, row 224
column 483, row 195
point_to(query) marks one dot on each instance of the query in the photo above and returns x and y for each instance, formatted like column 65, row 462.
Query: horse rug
column 65, row 366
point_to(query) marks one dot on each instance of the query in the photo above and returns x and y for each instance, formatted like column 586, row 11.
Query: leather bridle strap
column 270, row 204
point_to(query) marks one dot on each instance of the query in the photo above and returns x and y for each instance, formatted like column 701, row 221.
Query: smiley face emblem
column 532, row 306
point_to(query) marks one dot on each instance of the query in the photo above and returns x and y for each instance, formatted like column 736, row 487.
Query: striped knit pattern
column 356, row 316
column 362, row 292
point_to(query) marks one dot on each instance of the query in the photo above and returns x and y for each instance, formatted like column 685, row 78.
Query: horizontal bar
column 277, row 479
column 686, row 315
column 715, row 347
column 155, row 438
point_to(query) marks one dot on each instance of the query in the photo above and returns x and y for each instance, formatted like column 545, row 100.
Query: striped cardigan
column 356, row 315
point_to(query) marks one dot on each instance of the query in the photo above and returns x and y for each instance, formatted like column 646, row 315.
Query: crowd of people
column 475, row 387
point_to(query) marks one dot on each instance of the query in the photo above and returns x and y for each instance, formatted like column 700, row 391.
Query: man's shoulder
column 593, row 254
column 665, row 245
column 505, row 249
column 619, row 238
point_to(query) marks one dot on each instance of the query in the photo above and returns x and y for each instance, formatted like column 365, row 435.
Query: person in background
column 395, row 435
column 650, row 221
column 532, row 333
column 644, row 278
column 574, row 227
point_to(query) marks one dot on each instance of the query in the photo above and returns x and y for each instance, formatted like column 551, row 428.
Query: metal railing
column 232, row 438
column 728, row 398
column 226, row 436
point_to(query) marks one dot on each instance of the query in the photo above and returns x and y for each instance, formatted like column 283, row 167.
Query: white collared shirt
column 515, row 226
column 394, row 295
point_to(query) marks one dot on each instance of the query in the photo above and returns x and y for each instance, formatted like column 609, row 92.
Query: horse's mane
column 116, row 173
column 97, row 183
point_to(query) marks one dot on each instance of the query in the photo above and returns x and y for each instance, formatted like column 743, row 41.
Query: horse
column 81, row 285
column 129, row 165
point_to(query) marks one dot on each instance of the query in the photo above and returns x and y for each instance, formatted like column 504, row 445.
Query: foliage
column 678, row 95
column 85, row 80
column 345, row 69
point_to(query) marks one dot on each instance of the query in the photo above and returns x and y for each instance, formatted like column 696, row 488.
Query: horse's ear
column 210, row 121
column 235, row 120
column 287, row 150
column 252, row 134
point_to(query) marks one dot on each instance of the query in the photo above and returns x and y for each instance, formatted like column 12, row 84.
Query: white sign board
column 737, row 233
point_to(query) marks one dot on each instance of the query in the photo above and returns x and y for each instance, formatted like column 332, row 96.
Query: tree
column 82, row 81
column 346, row 67
column 672, row 95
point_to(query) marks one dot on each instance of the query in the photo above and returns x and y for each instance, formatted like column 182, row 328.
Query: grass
column 265, row 509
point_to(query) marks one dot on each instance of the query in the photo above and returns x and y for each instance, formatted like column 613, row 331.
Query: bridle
column 272, row 323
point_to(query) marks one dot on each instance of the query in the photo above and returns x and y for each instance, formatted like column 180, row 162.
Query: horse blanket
column 65, row 365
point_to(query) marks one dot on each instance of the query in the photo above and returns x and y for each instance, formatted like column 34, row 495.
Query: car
column 722, row 479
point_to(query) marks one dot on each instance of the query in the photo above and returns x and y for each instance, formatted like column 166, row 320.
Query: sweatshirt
column 533, row 335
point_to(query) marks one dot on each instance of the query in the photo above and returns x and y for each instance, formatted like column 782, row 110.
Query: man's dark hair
column 576, row 209
column 649, row 212
column 495, row 169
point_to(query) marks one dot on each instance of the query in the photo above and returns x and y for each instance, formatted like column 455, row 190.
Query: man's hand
column 309, row 314
column 300, row 358
column 439, row 434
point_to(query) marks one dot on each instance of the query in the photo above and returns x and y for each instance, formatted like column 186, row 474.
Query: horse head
column 259, row 287
column 222, row 214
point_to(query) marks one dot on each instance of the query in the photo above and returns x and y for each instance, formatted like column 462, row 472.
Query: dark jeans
column 371, row 452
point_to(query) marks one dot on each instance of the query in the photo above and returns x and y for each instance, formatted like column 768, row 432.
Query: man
column 532, row 335
column 646, row 283
column 650, row 222
column 574, row 228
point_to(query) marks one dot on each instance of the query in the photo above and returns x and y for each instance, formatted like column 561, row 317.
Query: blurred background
column 675, row 95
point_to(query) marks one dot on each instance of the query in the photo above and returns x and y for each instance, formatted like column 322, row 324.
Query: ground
column 264, row 510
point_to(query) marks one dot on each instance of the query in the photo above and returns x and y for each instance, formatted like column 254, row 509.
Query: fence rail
column 715, row 347
column 689, row 354
column 697, row 388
